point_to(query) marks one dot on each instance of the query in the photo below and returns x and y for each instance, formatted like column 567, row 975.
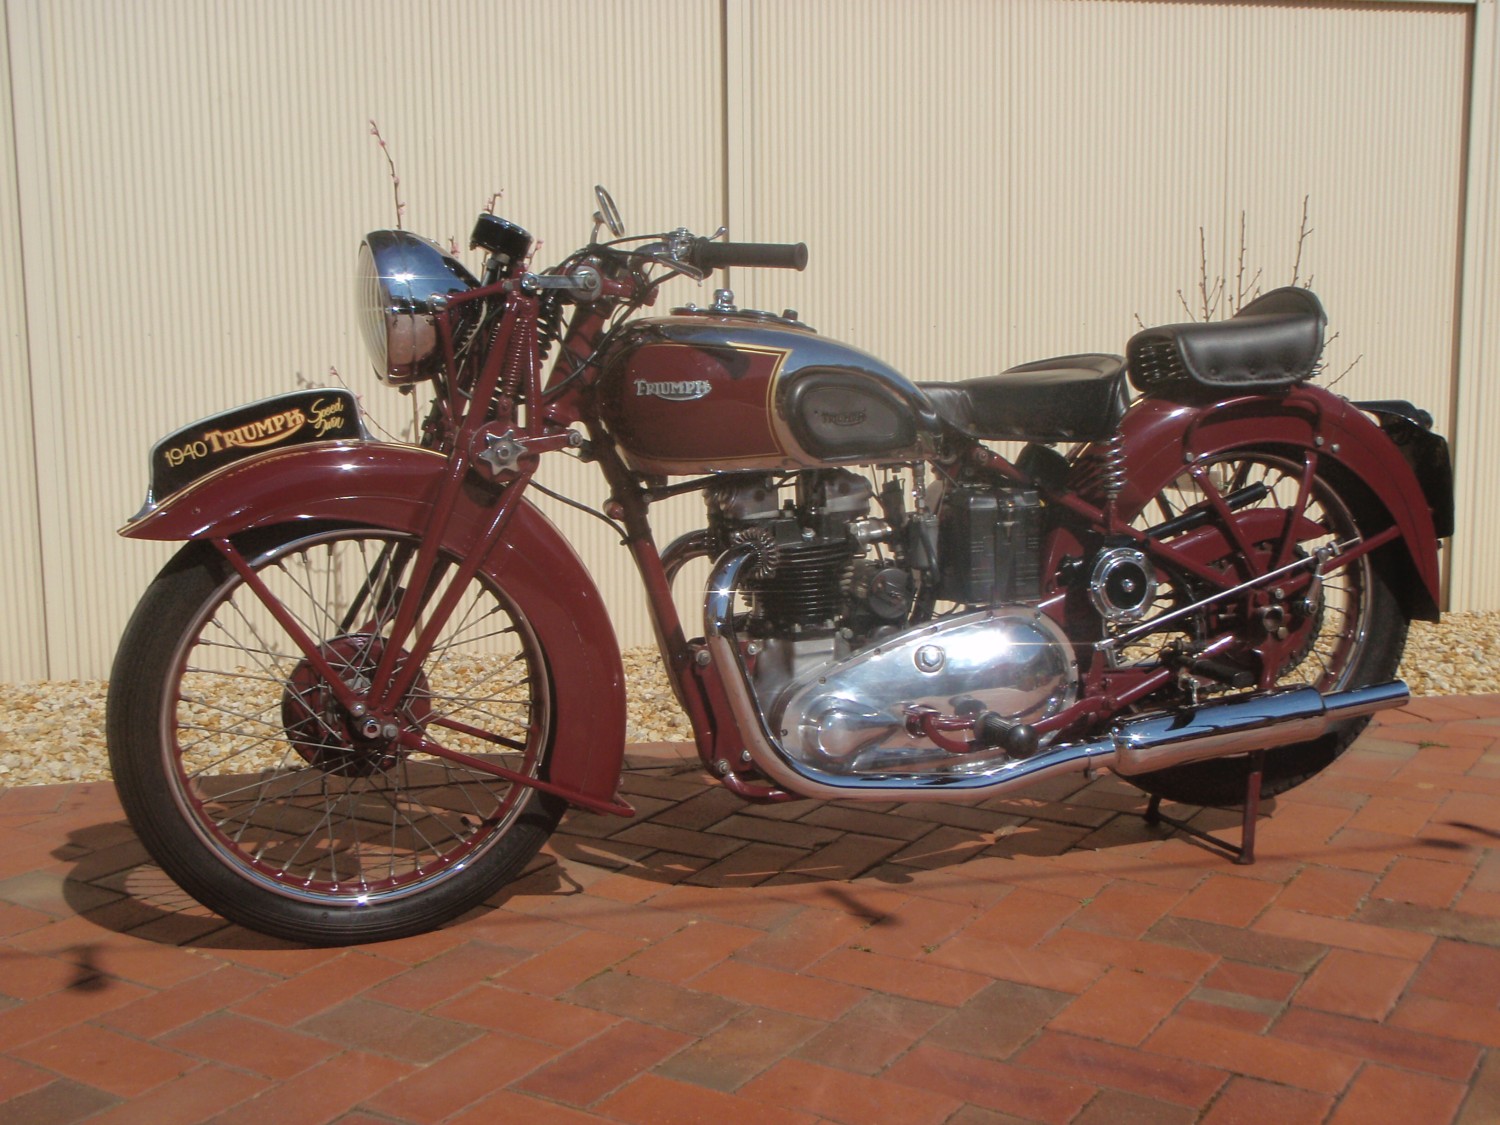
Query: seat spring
column 1156, row 364
column 1112, row 472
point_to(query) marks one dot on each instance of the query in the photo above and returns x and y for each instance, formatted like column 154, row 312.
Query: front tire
column 272, row 806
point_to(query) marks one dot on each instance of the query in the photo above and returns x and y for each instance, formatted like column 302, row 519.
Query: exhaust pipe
column 1135, row 746
column 1243, row 725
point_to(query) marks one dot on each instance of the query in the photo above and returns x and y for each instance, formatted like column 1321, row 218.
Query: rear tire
column 1356, row 640
column 266, row 802
column 1221, row 782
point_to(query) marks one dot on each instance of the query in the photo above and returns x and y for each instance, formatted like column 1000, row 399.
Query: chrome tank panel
column 704, row 391
column 849, row 717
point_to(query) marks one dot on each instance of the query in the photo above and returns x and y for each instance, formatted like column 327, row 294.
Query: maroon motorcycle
column 363, row 693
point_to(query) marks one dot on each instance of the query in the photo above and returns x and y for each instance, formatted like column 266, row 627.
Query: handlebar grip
column 775, row 255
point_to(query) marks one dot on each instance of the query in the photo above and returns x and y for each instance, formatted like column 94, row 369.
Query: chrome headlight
column 403, row 281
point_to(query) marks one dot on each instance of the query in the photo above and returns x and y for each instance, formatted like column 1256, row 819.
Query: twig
column 1239, row 272
column 391, row 164
column 337, row 377
column 1209, row 294
column 1346, row 370
column 1303, row 233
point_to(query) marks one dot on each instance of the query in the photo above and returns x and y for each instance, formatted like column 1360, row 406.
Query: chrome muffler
column 1219, row 729
column 1242, row 725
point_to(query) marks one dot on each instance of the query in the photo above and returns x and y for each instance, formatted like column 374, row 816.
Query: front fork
column 508, row 454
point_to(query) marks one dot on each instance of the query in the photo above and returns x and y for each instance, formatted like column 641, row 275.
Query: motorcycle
column 362, row 694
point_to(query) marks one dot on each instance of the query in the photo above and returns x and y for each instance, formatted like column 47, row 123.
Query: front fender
column 392, row 486
column 1161, row 436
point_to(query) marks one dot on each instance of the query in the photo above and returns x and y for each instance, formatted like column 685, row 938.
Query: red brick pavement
column 1045, row 958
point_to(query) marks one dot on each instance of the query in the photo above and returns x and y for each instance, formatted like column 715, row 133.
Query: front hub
column 328, row 736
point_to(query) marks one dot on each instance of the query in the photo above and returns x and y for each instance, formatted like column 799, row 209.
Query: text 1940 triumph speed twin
column 362, row 694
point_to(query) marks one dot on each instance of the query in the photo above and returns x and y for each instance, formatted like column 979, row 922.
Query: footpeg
column 1223, row 672
column 1019, row 740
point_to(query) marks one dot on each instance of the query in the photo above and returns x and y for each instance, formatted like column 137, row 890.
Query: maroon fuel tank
column 705, row 391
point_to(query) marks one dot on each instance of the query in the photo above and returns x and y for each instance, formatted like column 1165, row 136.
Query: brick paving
column 1041, row 958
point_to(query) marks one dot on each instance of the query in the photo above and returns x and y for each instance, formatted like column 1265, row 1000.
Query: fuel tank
column 714, row 390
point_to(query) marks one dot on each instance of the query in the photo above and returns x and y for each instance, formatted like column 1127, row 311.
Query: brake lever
column 679, row 248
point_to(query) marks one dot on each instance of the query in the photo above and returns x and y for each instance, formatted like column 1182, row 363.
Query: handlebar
column 681, row 250
column 710, row 255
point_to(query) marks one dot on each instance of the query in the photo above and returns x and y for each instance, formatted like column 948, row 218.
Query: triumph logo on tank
column 681, row 391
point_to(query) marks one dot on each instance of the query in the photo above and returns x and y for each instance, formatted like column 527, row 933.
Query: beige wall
column 1476, row 392
column 980, row 183
column 21, row 618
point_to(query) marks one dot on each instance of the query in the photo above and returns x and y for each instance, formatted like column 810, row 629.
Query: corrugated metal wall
column 1476, row 431
column 195, row 180
column 22, row 640
column 980, row 183
column 1042, row 170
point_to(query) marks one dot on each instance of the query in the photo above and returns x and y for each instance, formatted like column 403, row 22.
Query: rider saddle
column 1271, row 343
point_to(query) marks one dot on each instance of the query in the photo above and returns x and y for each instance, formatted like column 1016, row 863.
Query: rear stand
column 1244, row 852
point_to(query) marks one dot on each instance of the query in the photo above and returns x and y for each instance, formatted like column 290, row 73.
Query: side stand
column 1244, row 852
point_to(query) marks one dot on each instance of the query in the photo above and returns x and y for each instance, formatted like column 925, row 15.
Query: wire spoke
column 272, row 767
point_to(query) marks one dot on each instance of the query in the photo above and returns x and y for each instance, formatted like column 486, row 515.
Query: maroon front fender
column 1161, row 436
column 374, row 484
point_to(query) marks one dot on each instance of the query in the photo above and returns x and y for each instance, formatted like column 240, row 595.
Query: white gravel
column 53, row 730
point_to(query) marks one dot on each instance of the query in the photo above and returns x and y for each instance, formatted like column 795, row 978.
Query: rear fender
column 1161, row 436
column 390, row 486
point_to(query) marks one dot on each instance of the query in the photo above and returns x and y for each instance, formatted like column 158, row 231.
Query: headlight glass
column 402, row 281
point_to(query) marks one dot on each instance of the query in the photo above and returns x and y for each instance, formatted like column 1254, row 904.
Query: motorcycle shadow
column 114, row 884
column 691, row 845
column 692, row 840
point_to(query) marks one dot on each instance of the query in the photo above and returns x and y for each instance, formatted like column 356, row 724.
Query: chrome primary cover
column 849, row 717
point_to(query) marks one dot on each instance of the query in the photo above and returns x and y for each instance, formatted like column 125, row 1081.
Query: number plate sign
column 272, row 423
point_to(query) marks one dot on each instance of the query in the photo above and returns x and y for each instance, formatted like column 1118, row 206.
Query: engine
column 841, row 633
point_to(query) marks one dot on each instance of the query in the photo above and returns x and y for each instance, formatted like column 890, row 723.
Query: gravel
column 53, row 730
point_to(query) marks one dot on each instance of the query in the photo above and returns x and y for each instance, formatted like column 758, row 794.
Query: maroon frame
column 431, row 494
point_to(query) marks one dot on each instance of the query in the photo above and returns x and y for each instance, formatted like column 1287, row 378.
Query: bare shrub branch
column 391, row 164
column 1303, row 233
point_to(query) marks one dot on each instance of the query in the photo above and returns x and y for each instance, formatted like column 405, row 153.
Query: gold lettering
column 327, row 416
column 252, row 435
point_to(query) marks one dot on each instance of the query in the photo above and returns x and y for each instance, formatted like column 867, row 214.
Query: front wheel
column 1350, row 634
column 271, row 804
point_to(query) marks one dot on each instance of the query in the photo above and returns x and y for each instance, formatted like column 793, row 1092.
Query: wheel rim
column 285, row 790
column 1324, row 637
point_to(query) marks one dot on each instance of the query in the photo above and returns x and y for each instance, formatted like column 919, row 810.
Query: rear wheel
column 272, row 804
column 1346, row 631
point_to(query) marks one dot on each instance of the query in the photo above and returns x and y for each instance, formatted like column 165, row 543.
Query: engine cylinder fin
column 807, row 586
